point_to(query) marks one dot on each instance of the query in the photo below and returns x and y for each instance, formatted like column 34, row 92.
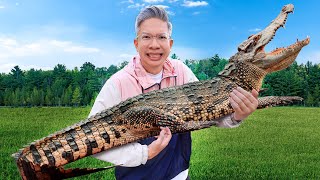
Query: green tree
column 76, row 97
column 174, row 56
column 316, row 95
column 34, row 78
column 111, row 70
column 123, row 64
column 67, row 97
column 16, row 78
column 48, row 101
column 59, row 71
column 58, row 87
column 7, row 97
column 35, row 97
column 2, row 89
column 309, row 100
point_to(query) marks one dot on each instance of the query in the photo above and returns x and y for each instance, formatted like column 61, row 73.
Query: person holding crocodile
column 151, row 69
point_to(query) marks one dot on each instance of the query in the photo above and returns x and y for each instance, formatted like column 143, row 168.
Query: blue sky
column 42, row 33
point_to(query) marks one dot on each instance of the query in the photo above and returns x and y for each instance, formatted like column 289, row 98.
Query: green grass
column 275, row 143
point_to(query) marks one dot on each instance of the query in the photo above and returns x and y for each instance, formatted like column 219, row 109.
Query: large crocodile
column 183, row 108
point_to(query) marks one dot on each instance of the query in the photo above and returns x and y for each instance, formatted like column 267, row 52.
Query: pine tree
column 67, row 96
column 35, row 97
column 48, row 97
column 76, row 97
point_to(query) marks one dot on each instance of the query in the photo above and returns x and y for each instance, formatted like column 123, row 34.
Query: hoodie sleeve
column 129, row 155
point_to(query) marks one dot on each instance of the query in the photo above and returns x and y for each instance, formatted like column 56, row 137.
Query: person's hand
column 243, row 102
column 158, row 145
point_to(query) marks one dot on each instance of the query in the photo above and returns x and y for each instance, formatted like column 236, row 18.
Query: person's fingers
column 234, row 105
column 160, row 143
column 255, row 93
column 164, row 137
column 239, row 101
column 248, row 100
column 244, row 95
column 251, row 96
column 243, row 102
column 167, row 131
column 167, row 136
column 161, row 135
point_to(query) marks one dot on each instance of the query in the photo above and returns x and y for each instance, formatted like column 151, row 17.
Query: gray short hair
column 152, row 12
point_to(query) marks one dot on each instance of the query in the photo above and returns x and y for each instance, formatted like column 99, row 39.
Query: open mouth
column 293, row 47
column 155, row 56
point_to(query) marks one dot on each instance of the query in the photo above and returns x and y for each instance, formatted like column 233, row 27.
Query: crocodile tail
column 270, row 101
column 32, row 171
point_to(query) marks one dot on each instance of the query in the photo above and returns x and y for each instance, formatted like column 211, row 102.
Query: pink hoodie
column 133, row 79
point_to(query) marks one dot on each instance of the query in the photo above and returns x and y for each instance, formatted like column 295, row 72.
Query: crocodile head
column 252, row 49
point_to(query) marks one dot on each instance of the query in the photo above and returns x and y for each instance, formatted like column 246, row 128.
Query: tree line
column 57, row 87
column 79, row 87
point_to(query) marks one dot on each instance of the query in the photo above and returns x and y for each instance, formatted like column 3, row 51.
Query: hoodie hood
column 136, row 70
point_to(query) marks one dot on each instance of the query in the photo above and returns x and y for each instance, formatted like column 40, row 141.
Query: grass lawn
column 275, row 143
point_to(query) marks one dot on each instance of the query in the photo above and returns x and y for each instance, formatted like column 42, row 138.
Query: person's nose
column 154, row 43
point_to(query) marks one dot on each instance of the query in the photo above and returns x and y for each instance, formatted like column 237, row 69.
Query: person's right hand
column 162, row 141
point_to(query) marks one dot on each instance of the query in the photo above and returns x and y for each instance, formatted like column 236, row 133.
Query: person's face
column 153, row 44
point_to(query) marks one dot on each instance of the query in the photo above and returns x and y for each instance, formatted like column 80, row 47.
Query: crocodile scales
column 183, row 108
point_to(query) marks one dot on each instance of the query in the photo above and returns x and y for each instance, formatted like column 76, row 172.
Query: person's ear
column 171, row 43
column 135, row 42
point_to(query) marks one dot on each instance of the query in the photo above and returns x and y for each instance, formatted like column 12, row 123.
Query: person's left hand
column 160, row 143
column 243, row 102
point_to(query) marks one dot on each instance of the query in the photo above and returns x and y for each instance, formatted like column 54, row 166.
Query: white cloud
column 163, row 6
column 2, row 7
column 194, row 3
column 34, row 54
column 173, row 1
column 171, row 13
column 5, row 42
column 136, row 6
column 254, row 30
column 45, row 53
column 152, row 1
column 6, row 67
column 81, row 49
column 126, row 56
column 68, row 46
column 129, row 1
column 10, row 47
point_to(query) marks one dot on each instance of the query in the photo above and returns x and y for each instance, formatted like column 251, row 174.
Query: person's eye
column 163, row 37
column 145, row 37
